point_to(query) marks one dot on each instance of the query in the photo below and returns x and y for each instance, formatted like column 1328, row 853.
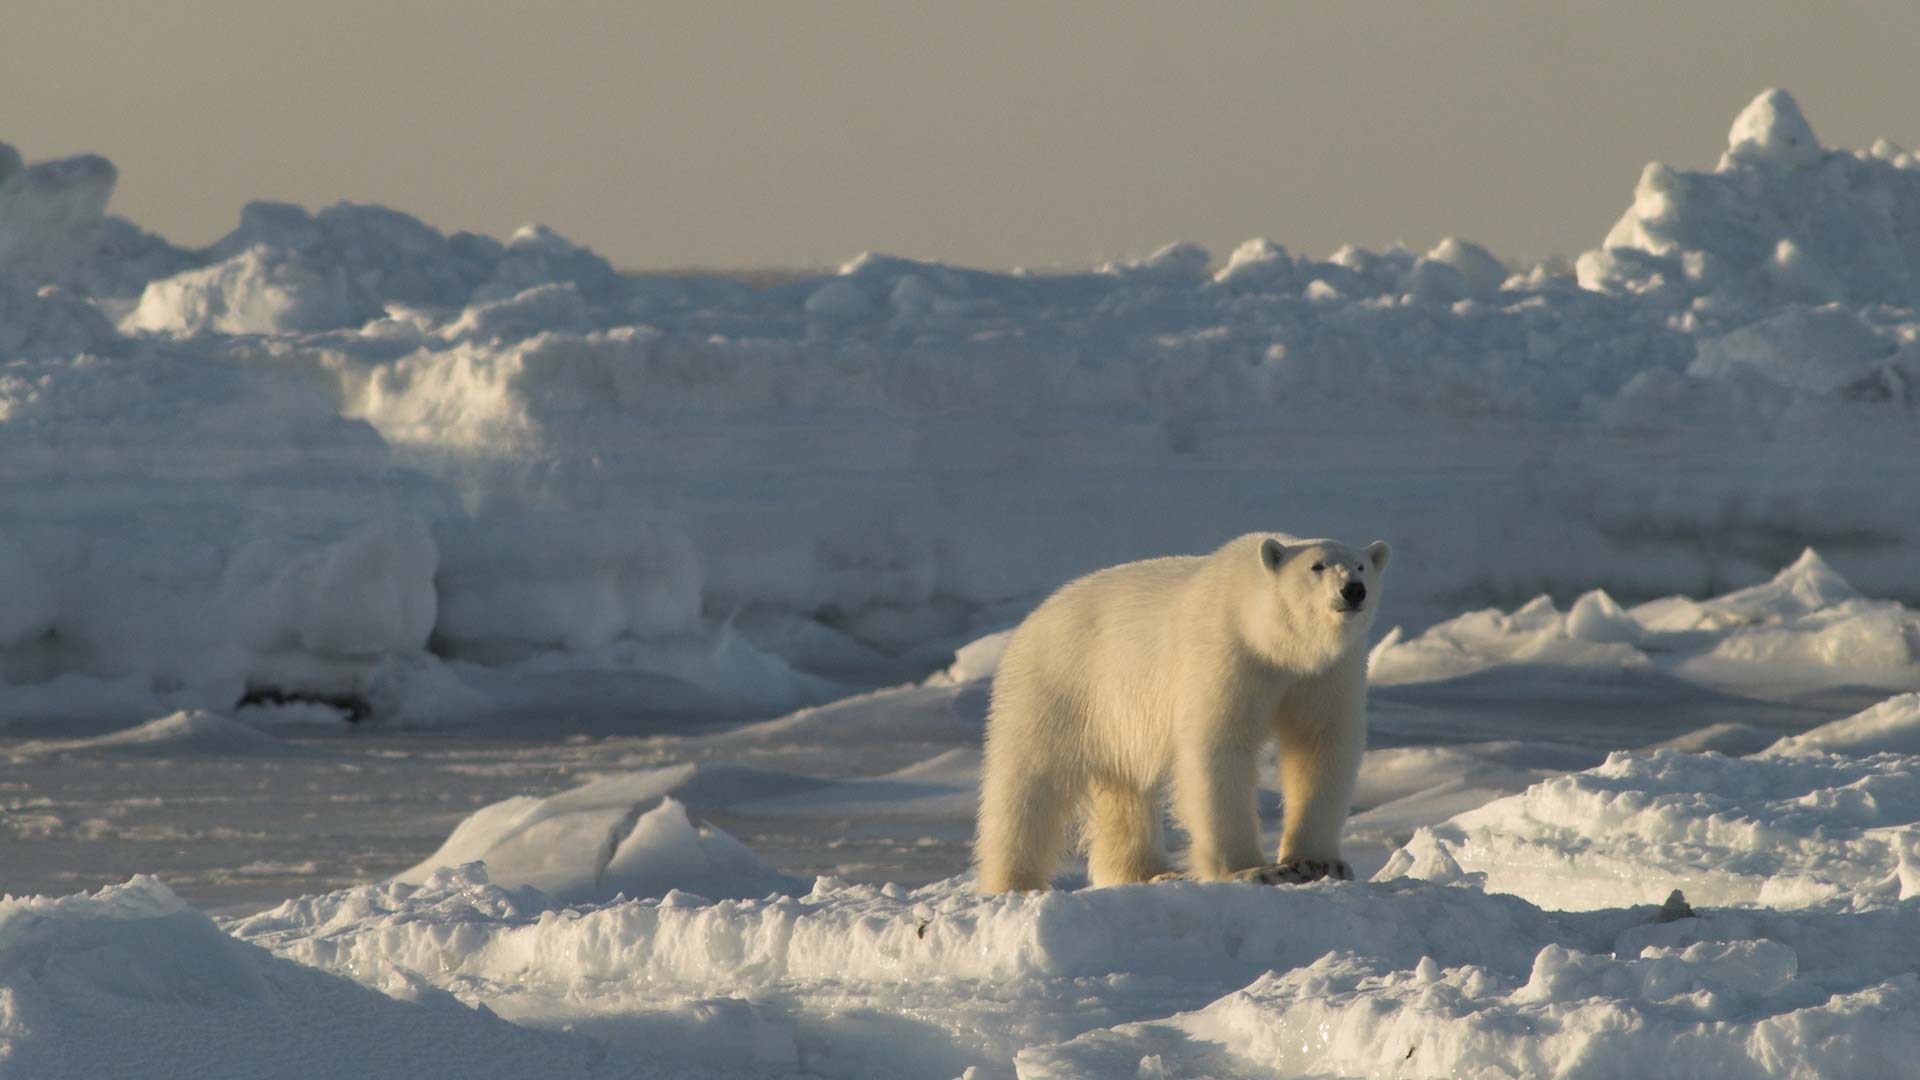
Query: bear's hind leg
column 1123, row 831
column 1023, row 829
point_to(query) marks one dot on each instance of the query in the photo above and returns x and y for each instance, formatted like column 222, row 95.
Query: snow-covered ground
column 669, row 605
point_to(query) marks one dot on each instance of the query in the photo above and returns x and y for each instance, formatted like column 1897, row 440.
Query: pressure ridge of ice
column 336, row 450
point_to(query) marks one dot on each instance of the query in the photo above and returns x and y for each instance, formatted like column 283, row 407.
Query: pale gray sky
column 1039, row 134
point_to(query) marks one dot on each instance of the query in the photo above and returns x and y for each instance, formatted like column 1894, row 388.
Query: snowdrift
column 621, row 836
column 131, row 978
column 1805, row 628
column 1893, row 726
column 1803, row 831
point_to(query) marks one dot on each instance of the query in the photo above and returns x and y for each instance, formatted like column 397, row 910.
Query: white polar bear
column 1183, row 670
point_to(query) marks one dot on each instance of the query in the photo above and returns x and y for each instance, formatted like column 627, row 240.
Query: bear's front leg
column 1319, row 765
column 1214, row 785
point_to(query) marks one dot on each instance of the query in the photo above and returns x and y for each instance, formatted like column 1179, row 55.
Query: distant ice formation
column 336, row 448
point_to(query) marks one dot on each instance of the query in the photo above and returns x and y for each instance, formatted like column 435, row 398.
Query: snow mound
column 183, row 733
column 1259, row 264
column 619, row 835
column 1893, row 726
column 1179, row 263
column 1806, row 627
column 91, row 983
column 976, row 660
column 1186, row 979
column 1595, row 633
column 1703, row 1009
column 1808, row 831
column 1779, row 220
column 284, row 270
column 881, row 933
column 1771, row 130
column 259, row 291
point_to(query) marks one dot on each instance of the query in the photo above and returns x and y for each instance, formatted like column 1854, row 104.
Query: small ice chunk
column 1771, row 130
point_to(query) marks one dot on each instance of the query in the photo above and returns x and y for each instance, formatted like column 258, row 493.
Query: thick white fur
column 1180, row 671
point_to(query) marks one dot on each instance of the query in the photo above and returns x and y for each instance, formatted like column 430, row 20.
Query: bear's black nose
column 1353, row 592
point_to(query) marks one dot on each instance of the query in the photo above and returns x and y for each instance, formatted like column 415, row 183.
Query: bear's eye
column 1319, row 566
column 1360, row 569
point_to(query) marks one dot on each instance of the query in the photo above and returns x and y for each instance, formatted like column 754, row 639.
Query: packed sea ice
column 341, row 453
column 1663, row 818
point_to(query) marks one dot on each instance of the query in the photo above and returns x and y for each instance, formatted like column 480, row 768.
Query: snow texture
column 617, row 836
column 1801, row 830
column 1336, row 978
column 129, row 978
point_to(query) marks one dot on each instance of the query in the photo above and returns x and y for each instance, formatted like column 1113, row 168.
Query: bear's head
column 1320, row 597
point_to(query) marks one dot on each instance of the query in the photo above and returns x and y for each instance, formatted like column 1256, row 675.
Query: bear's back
column 1107, row 626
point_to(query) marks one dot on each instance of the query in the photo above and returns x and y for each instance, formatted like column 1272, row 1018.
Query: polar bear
column 1181, row 671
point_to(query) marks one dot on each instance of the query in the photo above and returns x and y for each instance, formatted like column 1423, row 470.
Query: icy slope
column 1891, row 726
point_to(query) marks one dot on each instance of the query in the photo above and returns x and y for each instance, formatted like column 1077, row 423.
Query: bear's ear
column 1272, row 552
column 1378, row 553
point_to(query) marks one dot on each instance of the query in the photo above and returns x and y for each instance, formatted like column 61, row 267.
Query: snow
column 1893, row 726
column 1807, row 627
column 669, row 604
column 181, row 733
column 977, row 659
column 616, row 920
column 617, row 836
column 1334, row 978
column 896, row 451
column 50, row 212
column 1806, row 831
column 1781, row 221
column 1342, row 979
column 1771, row 131
column 90, row 985
column 1705, row 1009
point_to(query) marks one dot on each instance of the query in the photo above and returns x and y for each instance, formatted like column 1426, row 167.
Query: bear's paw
column 1295, row 870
